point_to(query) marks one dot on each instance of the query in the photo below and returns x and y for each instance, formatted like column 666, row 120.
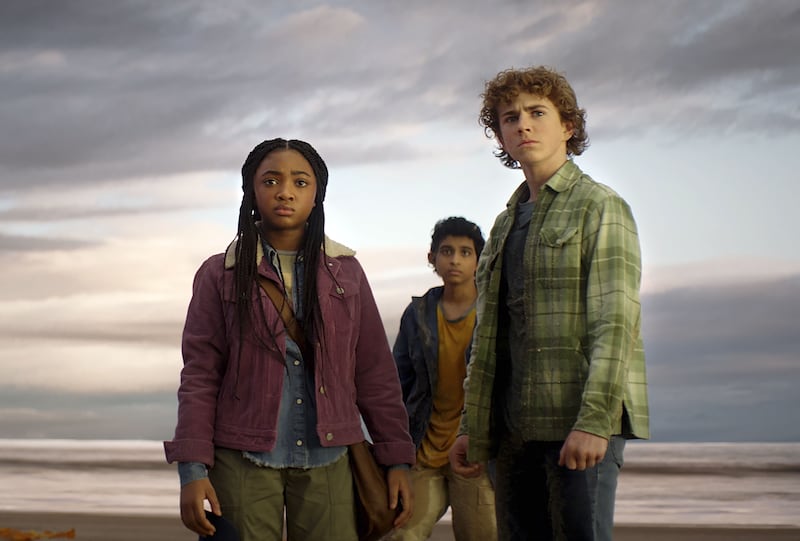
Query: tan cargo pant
column 471, row 501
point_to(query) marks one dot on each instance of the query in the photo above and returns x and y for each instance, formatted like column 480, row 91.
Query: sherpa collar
column 332, row 249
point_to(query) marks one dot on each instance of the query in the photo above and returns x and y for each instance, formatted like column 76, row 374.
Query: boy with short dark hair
column 431, row 353
column 557, row 377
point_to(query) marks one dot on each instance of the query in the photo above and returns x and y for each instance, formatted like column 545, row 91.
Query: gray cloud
column 723, row 361
column 711, row 320
column 722, row 366
column 97, row 91
column 163, row 332
column 22, row 243
column 94, row 92
column 72, row 212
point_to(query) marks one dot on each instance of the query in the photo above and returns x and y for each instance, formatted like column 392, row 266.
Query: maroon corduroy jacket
column 231, row 400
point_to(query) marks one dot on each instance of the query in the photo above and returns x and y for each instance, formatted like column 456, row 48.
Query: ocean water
column 661, row 483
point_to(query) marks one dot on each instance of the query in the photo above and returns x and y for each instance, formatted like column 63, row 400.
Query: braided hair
column 246, row 269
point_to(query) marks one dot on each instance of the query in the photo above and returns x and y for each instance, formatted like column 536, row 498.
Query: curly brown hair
column 541, row 81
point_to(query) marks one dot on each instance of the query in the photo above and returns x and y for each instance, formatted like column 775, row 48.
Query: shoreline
column 119, row 527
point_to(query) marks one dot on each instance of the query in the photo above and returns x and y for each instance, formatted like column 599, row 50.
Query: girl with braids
column 264, row 420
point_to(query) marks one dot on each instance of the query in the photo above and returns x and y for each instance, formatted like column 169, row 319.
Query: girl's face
column 285, row 188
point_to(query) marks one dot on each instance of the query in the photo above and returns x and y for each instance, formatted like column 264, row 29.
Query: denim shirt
column 298, row 445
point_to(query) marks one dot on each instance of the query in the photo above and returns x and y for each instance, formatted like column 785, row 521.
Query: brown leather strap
column 285, row 310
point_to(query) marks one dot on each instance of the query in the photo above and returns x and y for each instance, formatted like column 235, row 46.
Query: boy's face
column 531, row 131
column 455, row 260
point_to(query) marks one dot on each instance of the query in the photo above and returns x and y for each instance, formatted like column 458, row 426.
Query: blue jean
column 536, row 499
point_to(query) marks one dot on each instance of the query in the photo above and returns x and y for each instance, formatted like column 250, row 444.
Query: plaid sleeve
column 611, row 247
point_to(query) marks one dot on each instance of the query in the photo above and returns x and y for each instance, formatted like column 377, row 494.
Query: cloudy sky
column 123, row 126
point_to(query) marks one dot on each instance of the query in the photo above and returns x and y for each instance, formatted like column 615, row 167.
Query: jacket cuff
column 188, row 450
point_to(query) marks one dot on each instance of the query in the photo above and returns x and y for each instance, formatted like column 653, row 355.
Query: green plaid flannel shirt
column 582, row 275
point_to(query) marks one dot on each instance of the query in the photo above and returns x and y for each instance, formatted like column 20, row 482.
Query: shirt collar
column 561, row 181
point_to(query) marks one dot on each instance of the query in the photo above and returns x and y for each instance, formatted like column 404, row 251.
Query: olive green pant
column 318, row 502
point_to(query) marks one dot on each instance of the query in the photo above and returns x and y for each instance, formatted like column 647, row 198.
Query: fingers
column 406, row 510
column 204, row 526
column 403, row 518
column 458, row 459
column 194, row 518
column 216, row 508
column 393, row 485
column 565, row 459
column 461, row 466
column 193, row 514
column 582, row 450
column 401, row 496
column 574, row 459
column 467, row 470
column 458, row 452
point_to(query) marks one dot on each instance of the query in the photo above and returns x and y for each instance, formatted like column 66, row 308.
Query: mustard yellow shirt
column 448, row 397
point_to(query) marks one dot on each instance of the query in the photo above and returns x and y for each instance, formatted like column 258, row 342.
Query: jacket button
column 339, row 290
column 322, row 390
column 299, row 443
column 329, row 436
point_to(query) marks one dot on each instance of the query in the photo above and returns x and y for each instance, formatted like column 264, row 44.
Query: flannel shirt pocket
column 559, row 257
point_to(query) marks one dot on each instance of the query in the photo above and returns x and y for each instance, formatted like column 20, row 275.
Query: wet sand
column 101, row 527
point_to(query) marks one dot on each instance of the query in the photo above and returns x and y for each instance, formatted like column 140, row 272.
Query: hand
column 458, row 459
column 582, row 450
column 193, row 514
column 398, row 482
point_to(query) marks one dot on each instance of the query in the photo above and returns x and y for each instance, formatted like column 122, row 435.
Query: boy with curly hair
column 556, row 381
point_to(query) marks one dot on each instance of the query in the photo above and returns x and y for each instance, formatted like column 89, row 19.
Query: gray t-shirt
column 514, row 278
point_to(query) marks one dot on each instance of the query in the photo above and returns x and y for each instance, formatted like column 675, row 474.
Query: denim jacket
column 231, row 399
column 416, row 354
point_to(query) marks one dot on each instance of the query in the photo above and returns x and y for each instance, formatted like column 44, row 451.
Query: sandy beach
column 129, row 528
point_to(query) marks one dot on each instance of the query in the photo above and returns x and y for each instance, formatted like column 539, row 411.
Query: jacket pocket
column 344, row 298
